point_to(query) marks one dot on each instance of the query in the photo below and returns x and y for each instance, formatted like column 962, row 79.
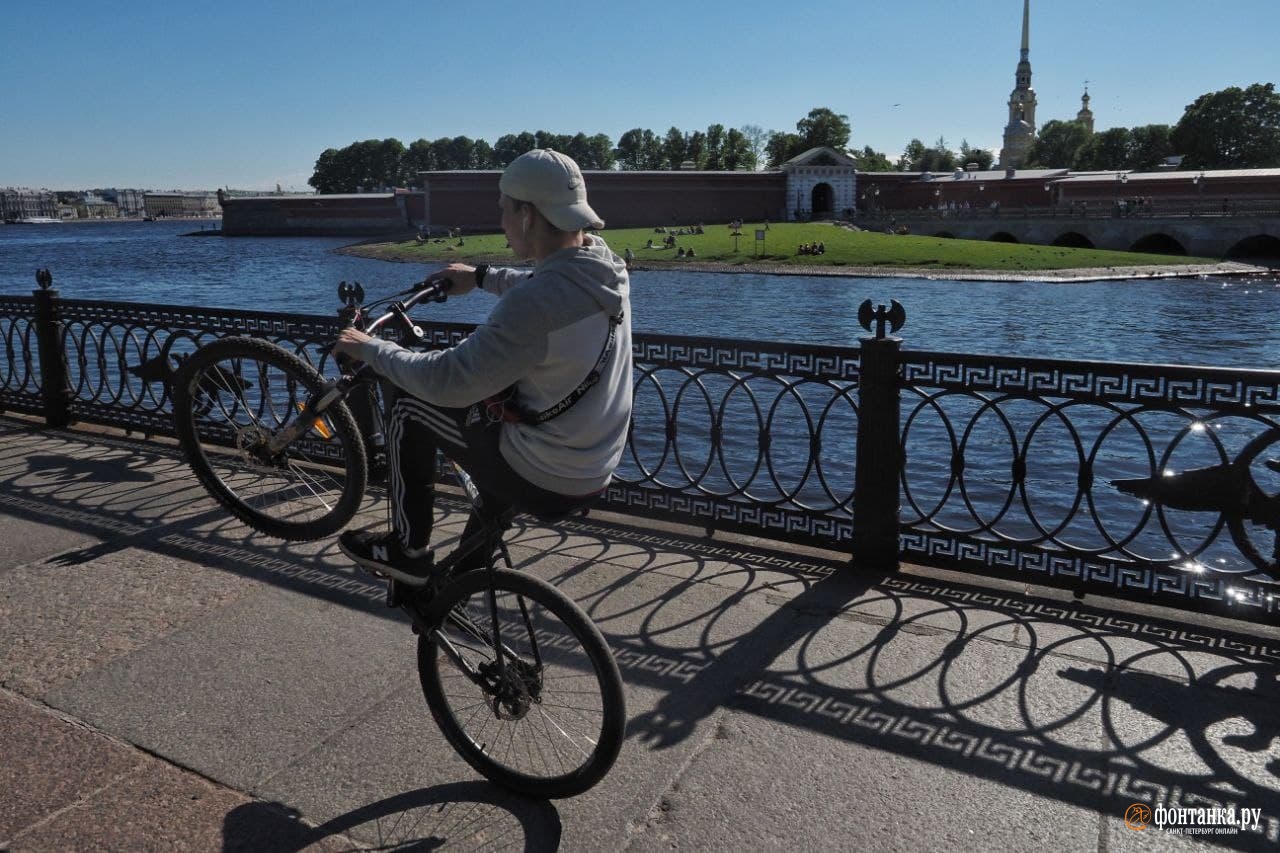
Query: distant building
column 129, row 202
column 95, row 206
column 20, row 203
column 822, row 183
column 1020, row 132
column 181, row 205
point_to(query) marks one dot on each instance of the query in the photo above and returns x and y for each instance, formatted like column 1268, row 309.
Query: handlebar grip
column 444, row 285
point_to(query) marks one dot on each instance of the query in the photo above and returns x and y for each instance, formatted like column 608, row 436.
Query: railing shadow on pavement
column 466, row 815
column 1087, row 705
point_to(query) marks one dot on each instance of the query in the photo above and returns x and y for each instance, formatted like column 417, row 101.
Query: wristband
column 481, row 270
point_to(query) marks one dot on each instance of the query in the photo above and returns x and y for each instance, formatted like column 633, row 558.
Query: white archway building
column 822, row 183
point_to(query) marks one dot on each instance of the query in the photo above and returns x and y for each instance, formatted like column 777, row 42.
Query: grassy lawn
column 843, row 248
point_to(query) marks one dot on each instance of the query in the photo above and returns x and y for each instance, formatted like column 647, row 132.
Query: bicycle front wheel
column 230, row 399
column 543, row 713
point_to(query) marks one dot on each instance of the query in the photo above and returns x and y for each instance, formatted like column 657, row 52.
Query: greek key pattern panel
column 1150, row 385
column 834, row 364
column 788, row 524
column 1245, row 597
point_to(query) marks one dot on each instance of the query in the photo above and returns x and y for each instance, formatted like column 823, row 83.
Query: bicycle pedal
column 396, row 594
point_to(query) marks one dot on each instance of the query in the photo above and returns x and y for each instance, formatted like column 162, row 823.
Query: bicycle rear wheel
column 548, row 721
column 229, row 399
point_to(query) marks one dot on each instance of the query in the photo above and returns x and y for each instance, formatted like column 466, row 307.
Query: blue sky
column 247, row 94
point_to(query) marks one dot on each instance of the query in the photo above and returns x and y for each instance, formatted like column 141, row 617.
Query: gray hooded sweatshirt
column 544, row 336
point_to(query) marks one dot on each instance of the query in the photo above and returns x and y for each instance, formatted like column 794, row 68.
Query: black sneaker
column 382, row 553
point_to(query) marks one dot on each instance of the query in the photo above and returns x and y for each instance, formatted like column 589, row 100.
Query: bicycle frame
column 337, row 390
column 314, row 408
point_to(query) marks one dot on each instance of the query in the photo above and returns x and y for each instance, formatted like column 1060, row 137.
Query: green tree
column 781, row 147
column 1105, row 151
column 639, row 149
column 912, row 157
column 695, row 150
column 675, row 148
column 1231, row 129
column 981, row 156
column 554, row 141
column 870, row 160
column 512, row 145
column 388, row 164
column 578, row 149
column 1150, row 147
column 822, row 127
column 738, row 155
column 327, row 177
column 418, row 158
column 1056, row 145
column 939, row 158
column 714, row 159
column 482, row 156
column 757, row 140
column 461, row 153
column 599, row 152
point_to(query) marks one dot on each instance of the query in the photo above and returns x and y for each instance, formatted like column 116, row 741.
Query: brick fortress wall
column 623, row 199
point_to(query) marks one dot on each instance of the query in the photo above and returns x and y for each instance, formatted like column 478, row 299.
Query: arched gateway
column 822, row 183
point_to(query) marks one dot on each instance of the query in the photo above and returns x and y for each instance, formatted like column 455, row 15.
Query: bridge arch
column 1003, row 237
column 1257, row 246
column 1158, row 244
column 1073, row 240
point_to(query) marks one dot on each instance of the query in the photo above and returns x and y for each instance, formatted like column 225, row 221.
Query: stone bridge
column 1206, row 235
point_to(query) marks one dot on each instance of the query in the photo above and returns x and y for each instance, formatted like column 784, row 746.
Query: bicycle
column 518, row 678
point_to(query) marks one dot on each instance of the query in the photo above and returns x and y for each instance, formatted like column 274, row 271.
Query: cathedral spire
column 1026, row 30
column 1020, row 132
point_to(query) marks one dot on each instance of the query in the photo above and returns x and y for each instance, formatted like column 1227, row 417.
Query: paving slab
column 63, row 618
column 243, row 694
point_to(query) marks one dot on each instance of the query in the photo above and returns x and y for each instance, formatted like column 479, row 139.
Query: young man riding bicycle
column 535, row 404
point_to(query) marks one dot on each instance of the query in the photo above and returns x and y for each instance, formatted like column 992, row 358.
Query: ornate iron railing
column 729, row 435
column 1000, row 465
column 1138, row 479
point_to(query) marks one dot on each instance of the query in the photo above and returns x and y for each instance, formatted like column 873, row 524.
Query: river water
column 1209, row 320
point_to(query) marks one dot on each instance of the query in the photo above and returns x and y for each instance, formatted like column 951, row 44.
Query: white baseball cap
column 553, row 183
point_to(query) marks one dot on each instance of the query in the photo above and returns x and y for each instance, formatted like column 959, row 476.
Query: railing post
column 55, row 387
column 876, row 497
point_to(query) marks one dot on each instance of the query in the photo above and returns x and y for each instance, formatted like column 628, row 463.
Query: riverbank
column 826, row 249
column 383, row 251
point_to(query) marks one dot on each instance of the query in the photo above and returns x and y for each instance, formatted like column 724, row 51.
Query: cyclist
column 536, row 403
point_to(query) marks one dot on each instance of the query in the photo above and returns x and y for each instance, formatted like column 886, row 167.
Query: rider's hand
column 349, row 341
column 462, row 276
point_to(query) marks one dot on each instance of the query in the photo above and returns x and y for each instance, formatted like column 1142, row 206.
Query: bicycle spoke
column 540, row 721
column 243, row 394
